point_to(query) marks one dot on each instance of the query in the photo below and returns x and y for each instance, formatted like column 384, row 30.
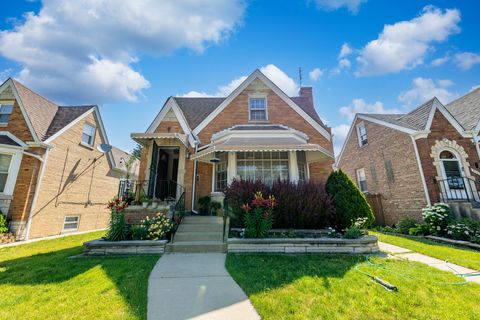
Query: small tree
column 350, row 202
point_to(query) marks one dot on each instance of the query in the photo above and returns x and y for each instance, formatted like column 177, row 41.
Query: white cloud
column 352, row 5
column 5, row 74
column 340, row 133
column 315, row 74
column 277, row 76
column 344, row 63
column 345, row 51
column 440, row 61
column 466, row 60
column 86, row 50
column 425, row 89
column 360, row 106
column 404, row 44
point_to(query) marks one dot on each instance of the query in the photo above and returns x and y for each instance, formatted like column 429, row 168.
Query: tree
column 350, row 202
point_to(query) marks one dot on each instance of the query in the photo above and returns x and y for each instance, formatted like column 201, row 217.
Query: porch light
column 215, row 160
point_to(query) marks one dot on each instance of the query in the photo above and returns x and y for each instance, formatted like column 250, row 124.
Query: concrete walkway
column 432, row 262
column 195, row 286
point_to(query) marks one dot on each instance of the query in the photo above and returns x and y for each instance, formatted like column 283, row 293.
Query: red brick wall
column 404, row 197
column 441, row 129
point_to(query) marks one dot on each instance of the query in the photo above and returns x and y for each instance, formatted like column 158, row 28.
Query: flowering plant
column 460, row 231
column 157, row 227
column 117, row 205
column 438, row 217
column 118, row 228
column 259, row 215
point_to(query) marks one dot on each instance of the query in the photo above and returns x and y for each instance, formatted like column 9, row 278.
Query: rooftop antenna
column 300, row 75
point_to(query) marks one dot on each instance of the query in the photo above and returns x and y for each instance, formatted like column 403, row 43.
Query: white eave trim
column 10, row 83
column 14, row 138
column 172, row 104
column 68, row 126
column 258, row 74
column 437, row 105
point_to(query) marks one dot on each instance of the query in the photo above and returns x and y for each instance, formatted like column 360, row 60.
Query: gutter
column 420, row 168
column 37, row 188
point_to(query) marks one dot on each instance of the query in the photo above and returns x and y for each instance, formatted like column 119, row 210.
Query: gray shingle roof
column 47, row 118
column 416, row 119
column 196, row 109
column 466, row 109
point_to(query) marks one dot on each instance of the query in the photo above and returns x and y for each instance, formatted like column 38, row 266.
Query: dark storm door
column 161, row 191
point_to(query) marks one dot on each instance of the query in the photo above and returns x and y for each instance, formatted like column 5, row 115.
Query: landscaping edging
column 365, row 244
column 102, row 247
column 455, row 242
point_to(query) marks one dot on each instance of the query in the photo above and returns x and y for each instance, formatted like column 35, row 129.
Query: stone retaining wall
column 102, row 247
column 365, row 244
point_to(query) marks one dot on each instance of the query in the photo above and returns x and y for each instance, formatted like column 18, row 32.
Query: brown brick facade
column 77, row 180
column 403, row 197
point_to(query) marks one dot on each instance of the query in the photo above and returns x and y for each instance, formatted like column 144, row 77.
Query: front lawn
column 319, row 286
column 40, row 281
column 464, row 257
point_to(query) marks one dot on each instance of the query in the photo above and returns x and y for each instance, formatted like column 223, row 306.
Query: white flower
column 438, row 228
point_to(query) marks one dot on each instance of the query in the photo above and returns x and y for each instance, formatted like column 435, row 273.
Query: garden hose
column 393, row 288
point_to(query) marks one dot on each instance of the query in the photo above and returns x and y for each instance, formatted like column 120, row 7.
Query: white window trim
column 7, row 102
column 93, row 137
column 15, row 163
column 71, row 230
column 359, row 137
column 257, row 96
column 357, row 171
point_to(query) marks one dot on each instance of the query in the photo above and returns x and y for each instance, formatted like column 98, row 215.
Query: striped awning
column 237, row 144
column 143, row 138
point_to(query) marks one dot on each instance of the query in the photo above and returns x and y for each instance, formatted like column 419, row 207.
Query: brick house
column 413, row 160
column 53, row 179
column 196, row 146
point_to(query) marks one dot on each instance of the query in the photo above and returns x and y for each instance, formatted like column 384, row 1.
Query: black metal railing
column 132, row 190
column 459, row 189
column 167, row 190
column 177, row 213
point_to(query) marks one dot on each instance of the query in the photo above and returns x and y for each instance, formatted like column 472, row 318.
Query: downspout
column 37, row 188
column 194, row 178
column 424, row 183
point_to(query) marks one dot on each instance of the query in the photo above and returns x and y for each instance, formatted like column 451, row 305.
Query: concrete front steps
column 198, row 234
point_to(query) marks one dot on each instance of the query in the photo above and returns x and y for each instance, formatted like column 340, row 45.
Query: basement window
column 71, row 223
column 88, row 135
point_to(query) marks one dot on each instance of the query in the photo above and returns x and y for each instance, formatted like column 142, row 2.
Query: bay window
column 302, row 166
column 5, row 160
column 221, row 171
column 266, row 166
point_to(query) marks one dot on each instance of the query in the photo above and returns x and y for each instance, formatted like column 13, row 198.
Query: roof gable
column 257, row 74
column 466, row 110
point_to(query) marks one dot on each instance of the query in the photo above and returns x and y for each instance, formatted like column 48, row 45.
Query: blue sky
column 128, row 57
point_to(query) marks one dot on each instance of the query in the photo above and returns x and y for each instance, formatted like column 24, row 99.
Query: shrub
column 356, row 230
column 438, row 217
column 157, row 227
column 204, row 203
column 302, row 205
column 118, row 228
column 258, row 216
column 139, row 232
column 419, row 230
column 350, row 202
column 459, row 231
column 3, row 223
column 405, row 224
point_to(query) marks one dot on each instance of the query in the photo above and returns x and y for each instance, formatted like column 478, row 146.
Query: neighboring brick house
column 199, row 145
column 53, row 179
column 413, row 160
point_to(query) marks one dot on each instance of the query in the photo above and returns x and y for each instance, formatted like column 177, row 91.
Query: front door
column 161, row 190
column 453, row 180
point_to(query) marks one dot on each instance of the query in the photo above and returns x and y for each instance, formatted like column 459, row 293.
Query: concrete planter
column 365, row 244
column 462, row 243
column 102, row 247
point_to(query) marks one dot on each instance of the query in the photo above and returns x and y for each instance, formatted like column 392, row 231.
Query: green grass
column 464, row 257
column 39, row 281
column 320, row 286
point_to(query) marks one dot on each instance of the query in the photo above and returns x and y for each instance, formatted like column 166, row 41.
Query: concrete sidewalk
column 195, row 286
column 432, row 262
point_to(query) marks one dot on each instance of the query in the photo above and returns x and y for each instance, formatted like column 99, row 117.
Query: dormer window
column 88, row 135
column 258, row 109
column 362, row 134
column 5, row 112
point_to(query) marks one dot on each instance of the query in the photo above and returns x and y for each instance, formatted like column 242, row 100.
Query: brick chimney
column 306, row 92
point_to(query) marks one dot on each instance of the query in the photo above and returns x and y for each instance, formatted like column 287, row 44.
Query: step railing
column 178, row 212
column 459, row 189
